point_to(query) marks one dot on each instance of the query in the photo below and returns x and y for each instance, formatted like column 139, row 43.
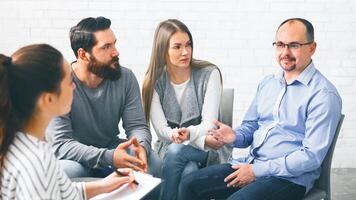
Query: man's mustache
column 288, row 58
column 115, row 59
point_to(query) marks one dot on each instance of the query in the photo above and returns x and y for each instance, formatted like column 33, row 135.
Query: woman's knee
column 190, row 167
column 175, row 149
column 174, row 156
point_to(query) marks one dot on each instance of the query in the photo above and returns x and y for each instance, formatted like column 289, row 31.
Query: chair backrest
column 226, row 106
column 225, row 116
column 323, row 182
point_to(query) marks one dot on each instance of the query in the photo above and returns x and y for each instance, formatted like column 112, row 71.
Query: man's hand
column 140, row 153
column 213, row 143
column 243, row 176
column 223, row 133
column 122, row 159
column 180, row 135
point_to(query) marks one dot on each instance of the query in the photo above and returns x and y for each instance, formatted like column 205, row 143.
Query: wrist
column 103, row 186
column 108, row 158
column 94, row 188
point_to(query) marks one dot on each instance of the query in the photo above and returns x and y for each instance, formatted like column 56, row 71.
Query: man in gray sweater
column 86, row 140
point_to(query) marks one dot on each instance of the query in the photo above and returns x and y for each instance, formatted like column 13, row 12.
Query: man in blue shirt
column 289, row 127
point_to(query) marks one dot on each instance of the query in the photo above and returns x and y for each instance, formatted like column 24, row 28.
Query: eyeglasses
column 292, row 46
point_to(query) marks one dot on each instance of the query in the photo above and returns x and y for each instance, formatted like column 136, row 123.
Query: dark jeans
column 208, row 183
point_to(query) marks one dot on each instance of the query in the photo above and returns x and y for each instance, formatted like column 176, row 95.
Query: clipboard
column 146, row 184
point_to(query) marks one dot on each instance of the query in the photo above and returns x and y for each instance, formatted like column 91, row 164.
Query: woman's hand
column 180, row 135
column 109, row 183
column 114, row 181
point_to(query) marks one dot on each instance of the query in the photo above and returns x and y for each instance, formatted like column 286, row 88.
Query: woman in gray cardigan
column 181, row 97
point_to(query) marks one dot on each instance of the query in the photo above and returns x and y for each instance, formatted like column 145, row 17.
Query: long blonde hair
column 163, row 34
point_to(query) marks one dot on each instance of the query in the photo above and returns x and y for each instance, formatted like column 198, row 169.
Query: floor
column 343, row 184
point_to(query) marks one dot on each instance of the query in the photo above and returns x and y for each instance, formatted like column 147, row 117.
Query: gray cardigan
column 189, row 112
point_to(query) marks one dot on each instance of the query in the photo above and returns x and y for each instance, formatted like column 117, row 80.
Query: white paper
column 146, row 184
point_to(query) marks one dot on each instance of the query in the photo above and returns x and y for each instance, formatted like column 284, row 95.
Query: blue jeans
column 74, row 169
column 208, row 183
column 179, row 161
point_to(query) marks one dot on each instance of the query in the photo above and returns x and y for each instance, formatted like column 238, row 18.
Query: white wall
column 235, row 35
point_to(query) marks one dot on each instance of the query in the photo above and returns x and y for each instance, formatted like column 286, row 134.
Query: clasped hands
column 122, row 159
column 180, row 135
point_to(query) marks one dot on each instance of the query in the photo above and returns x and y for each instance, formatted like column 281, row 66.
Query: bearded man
column 86, row 140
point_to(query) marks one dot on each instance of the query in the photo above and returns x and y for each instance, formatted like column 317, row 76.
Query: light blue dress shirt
column 290, row 126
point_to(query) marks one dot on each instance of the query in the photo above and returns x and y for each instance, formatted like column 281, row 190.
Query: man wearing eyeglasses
column 289, row 127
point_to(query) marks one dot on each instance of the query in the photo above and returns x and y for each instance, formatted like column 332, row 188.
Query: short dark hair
column 306, row 23
column 82, row 35
column 24, row 76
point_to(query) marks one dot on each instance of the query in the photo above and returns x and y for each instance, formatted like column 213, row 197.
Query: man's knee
column 73, row 169
column 154, row 164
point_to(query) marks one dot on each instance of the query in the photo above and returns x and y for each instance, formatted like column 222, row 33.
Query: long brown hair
column 24, row 76
column 163, row 34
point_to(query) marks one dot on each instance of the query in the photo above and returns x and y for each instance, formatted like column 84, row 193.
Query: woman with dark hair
column 36, row 85
column 181, row 97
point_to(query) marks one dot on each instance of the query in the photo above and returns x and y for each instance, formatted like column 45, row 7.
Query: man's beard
column 104, row 70
column 290, row 68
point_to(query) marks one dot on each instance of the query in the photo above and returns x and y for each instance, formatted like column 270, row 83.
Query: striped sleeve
column 32, row 172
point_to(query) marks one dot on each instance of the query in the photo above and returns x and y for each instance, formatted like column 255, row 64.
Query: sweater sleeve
column 66, row 147
column 159, row 121
column 133, row 117
column 210, row 111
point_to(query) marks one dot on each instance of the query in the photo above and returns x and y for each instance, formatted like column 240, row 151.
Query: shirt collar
column 303, row 77
column 307, row 74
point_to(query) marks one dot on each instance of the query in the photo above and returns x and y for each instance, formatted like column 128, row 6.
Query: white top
column 31, row 171
column 210, row 112
column 179, row 90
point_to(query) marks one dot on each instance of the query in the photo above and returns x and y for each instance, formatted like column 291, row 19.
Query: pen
column 118, row 172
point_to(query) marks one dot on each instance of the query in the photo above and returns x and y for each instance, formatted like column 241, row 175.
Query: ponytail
column 24, row 76
column 8, row 123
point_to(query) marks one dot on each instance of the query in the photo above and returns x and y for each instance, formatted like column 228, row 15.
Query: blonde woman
column 35, row 86
column 181, row 97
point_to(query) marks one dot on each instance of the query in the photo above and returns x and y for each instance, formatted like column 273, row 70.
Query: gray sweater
column 89, row 133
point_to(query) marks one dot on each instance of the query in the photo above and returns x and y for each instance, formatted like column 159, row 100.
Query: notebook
column 146, row 184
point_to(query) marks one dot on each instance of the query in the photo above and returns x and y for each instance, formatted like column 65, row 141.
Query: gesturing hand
column 213, row 143
column 122, row 159
column 223, row 133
